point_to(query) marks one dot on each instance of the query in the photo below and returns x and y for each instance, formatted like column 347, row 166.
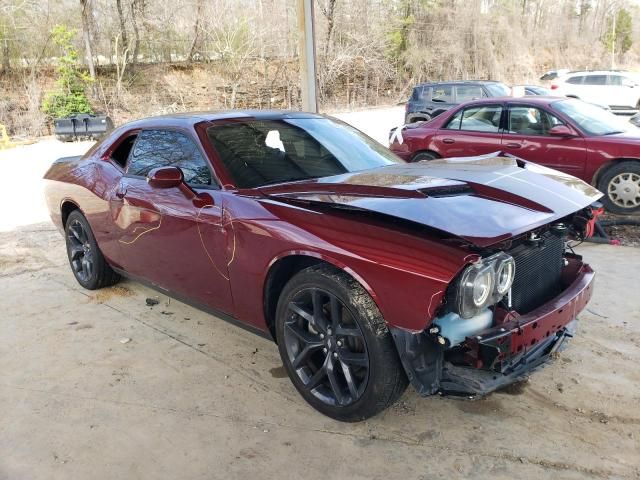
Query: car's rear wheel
column 621, row 187
column 335, row 345
column 85, row 258
column 420, row 156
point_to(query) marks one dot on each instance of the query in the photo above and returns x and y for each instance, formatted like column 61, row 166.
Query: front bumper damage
column 506, row 353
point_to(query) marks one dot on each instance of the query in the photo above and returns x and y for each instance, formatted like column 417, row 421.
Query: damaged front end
column 504, row 315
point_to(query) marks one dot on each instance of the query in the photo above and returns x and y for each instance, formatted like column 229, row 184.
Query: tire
column 420, row 156
column 85, row 258
column 322, row 350
column 620, row 184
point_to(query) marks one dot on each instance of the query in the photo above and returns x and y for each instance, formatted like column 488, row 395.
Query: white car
column 618, row 89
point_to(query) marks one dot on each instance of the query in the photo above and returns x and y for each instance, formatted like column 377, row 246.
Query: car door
column 441, row 98
column 527, row 136
column 596, row 90
column 624, row 91
column 176, row 242
column 474, row 130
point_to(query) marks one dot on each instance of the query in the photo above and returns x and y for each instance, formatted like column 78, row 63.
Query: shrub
column 69, row 97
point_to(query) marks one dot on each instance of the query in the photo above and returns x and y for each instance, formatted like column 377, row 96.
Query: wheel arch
column 425, row 150
column 66, row 207
column 285, row 266
column 606, row 166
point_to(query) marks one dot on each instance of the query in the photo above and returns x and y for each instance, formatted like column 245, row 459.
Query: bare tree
column 87, row 16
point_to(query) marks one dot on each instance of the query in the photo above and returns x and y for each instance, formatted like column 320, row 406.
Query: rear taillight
column 554, row 87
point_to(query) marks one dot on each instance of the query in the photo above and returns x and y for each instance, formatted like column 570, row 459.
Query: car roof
column 536, row 100
column 188, row 119
column 574, row 73
column 457, row 82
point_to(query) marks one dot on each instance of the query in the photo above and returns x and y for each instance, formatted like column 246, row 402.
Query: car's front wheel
column 85, row 258
column 424, row 156
column 335, row 345
column 621, row 187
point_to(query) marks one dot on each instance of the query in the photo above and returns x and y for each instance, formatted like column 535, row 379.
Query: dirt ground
column 99, row 385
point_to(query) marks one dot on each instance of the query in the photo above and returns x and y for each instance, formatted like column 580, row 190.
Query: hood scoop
column 447, row 191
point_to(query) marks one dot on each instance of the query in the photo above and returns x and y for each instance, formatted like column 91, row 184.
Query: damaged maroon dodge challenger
column 455, row 275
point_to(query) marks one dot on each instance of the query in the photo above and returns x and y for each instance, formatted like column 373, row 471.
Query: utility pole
column 307, row 56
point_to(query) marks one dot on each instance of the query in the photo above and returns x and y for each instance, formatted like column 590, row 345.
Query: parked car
column 533, row 89
column 553, row 74
column 617, row 89
column 428, row 100
column 366, row 270
column 565, row 134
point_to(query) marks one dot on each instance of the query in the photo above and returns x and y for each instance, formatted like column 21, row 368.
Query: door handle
column 513, row 145
column 448, row 140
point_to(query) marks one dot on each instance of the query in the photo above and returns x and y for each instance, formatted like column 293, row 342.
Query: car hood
column 631, row 137
column 483, row 200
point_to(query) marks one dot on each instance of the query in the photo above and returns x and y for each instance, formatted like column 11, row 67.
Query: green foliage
column 69, row 96
column 398, row 39
column 621, row 39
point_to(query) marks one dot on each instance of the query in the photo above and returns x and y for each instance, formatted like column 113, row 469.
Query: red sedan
column 367, row 271
column 565, row 134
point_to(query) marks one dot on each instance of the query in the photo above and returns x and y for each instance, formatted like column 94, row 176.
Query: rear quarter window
column 421, row 94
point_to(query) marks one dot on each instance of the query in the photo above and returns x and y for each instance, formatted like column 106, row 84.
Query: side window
column 122, row 151
column 577, row 80
column 454, row 123
column 468, row 92
column 614, row 80
column 483, row 118
column 442, row 94
column 420, row 94
column 525, row 120
column 167, row 148
column 595, row 80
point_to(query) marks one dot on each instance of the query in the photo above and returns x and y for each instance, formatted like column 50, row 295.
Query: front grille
column 538, row 270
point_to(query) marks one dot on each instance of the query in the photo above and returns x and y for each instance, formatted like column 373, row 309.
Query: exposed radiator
column 538, row 270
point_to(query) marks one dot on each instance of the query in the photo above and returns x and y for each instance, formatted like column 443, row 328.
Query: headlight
column 505, row 269
column 476, row 289
column 482, row 284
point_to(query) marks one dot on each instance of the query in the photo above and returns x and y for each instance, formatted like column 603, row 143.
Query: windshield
column 263, row 152
column 498, row 89
column 592, row 119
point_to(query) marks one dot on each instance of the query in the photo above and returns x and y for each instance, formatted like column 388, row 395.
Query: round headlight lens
column 505, row 270
column 482, row 287
column 475, row 290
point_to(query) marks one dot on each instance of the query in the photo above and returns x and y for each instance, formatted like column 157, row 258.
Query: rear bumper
column 506, row 353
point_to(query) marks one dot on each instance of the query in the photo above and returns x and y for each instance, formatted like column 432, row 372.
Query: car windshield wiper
column 614, row 132
column 285, row 180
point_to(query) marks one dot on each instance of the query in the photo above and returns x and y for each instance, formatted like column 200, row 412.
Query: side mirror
column 561, row 131
column 165, row 177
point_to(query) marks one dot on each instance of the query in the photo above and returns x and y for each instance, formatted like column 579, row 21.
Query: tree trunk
column 196, row 32
column 86, row 34
column 330, row 14
column 123, row 26
column 136, row 34
column 6, row 64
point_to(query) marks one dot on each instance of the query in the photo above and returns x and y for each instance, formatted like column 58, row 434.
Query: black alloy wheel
column 335, row 345
column 326, row 347
column 85, row 258
column 81, row 256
